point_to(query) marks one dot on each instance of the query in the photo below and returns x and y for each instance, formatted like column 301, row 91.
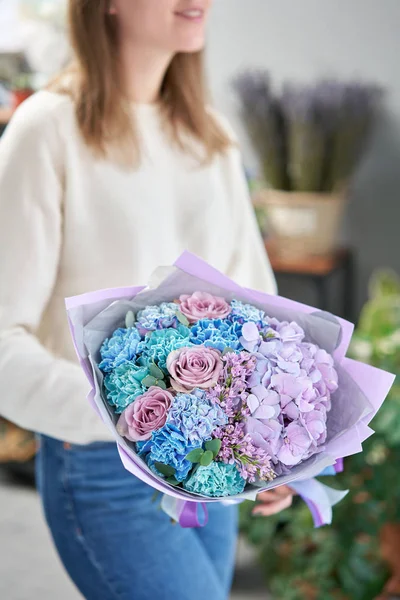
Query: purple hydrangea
column 291, row 389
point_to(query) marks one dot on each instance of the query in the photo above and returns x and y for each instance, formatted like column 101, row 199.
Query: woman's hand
column 274, row 501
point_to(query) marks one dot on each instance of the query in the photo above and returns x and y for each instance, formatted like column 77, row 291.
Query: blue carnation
column 120, row 348
column 170, row 447
column 158, row 317
column 216, row 333
column 124, row 384
column 196, row 417
column 216, row 480
column 242, row 313
column 158, row 344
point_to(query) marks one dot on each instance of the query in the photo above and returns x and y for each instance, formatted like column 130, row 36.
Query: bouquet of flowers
column 213, row 391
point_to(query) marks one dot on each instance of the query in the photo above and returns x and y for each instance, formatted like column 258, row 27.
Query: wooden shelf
column 310, row 265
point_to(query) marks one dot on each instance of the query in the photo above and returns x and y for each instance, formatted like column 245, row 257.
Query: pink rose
column 202, row 305
column 146, row 414
column 195, row 367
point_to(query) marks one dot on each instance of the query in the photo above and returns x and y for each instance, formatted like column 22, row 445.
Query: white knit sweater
column 71, row 223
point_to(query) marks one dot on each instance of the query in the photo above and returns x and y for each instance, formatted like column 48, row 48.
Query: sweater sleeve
column 249, row 264
column 38, row 391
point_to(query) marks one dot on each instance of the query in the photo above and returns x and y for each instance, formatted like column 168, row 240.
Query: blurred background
column 313, row 90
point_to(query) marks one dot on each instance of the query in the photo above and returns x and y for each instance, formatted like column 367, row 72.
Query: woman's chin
column 191, row 45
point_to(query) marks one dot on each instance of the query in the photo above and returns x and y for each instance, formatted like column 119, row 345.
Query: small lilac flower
column 237, row 447
column 231, row 390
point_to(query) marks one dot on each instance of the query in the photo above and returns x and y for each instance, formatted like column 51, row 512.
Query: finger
column 266, row 510
column 275, row 494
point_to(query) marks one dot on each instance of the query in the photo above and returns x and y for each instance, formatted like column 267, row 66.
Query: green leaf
column 148, row 381
column 166, row 470
column 227, row 350
column 182, row 319
column 213, row 446
column 195, row 455
column 161, row 384
column 207, row 458
column 129, row 319
column 156, row 371
column 172, row 481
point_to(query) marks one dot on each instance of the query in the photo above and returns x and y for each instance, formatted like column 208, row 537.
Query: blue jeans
column 114, row 540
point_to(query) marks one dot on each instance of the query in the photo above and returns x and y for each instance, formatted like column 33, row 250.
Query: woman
column 114, row 170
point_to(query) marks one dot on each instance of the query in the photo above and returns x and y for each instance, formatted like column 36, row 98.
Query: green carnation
column 216, row 480
column 124, row 384
column 160, row 343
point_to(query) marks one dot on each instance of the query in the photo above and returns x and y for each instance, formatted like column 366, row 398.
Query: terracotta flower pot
column 302, row 224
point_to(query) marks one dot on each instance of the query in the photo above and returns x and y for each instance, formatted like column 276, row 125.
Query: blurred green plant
column 343, row 562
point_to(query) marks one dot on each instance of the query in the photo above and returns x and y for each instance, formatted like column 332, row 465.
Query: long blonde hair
column 102, row 109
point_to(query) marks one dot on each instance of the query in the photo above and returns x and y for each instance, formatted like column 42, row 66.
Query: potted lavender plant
column 309, row 139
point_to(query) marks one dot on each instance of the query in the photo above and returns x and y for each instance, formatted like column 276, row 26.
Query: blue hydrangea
column 242, row 313
column 119, row 348
column 158, row 344
column 158, row 317
column 216, row 333
column 170, row 447
column 124, row 384
column 216, row 480
column 196, row 417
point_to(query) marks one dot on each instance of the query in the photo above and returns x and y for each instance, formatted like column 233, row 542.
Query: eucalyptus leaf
column 161, row 384
column 182, row 319
column 227, row 350
column 195, row 455
column 166, row 470
column 129, row 319
column 172, row 481
column 156, row 371
column 213, row 446
column 207, row 458
column 148, row 381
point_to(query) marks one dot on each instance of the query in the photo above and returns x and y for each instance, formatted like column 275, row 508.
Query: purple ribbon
column 189, row 516
column 339, row 465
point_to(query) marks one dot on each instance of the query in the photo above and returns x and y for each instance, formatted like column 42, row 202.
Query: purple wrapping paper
column 367, row 383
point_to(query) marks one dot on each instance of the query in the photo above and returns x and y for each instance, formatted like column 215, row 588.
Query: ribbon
column 185, row 513
column 319, row 498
